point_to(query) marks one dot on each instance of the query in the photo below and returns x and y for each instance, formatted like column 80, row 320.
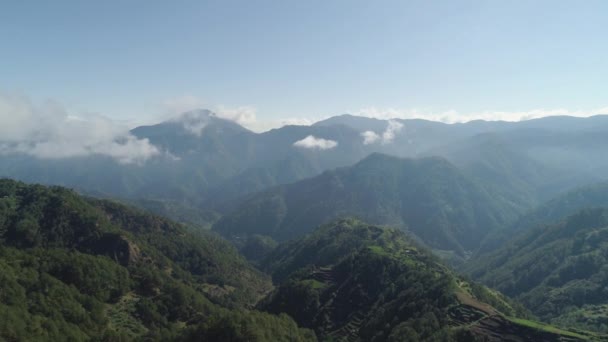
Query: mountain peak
column 195, row 115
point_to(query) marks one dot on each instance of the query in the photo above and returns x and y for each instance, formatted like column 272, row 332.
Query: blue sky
column 135, row 60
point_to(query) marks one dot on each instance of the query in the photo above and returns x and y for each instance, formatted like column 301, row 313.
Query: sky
column 267, row 63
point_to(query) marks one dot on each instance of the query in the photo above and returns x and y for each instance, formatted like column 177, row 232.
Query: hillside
column 81, row 269
column 430, row 198
column 557, row 271
column 550, row 212
column 350, row 281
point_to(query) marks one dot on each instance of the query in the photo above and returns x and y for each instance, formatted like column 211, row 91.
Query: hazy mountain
column 350, row 281
column 428, row 197
column 206, row 162
column 590, row 196
column 558, row 271
column 560, row 207
column 204, row 159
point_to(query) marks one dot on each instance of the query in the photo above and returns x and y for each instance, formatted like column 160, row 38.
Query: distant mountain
column 551, row 212
column 358, row 123
column 350, row 281
column 73, row 268
column 557, row 271
column 428, row 197
column 207, row 162
column 491, row 158
column 564, row 205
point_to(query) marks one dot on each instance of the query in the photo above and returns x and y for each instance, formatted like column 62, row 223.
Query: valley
column 446, row 233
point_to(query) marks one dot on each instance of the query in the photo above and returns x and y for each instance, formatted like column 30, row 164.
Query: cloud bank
column 312, row 142
column 453, row 116
column 392, row 129
column 48, row 131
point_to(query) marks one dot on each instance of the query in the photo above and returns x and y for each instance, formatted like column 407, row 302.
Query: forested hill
column 79, row 269
column 350, row 281
column 557, row 209
column 429, row 197
column 558, row 271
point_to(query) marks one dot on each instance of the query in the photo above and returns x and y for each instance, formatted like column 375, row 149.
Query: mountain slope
column 350, row 281
column 203, row 159
column 558, row 271
column 428, row 197
column 558, row 208
column 564, row 205
column 81, row 269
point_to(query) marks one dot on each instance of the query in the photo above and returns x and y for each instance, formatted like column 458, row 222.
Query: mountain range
column 350, row 229
column 428, row 197
column 207, row 160
column 76, row 268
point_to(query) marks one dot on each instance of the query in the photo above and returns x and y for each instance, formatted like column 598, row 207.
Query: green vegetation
column 368, row 283
column 547, row 328
column 428, row 197
column 558, row 271
column 81, row 269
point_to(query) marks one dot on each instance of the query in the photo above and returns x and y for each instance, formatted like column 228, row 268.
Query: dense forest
column 369, row 283
column 77, row 268
column 81, row 269
column 559, row 271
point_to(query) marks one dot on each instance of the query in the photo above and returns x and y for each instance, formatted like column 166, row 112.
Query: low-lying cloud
column 370, row 137
column 194, row 122
column 454, row 116
column 176, row 107
column 392, row 129
column 48, row 131
column 312, row 142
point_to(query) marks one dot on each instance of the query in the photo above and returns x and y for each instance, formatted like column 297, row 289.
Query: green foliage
column 79, row 269
column 257, row 247
column 556, row 271
column 350, row 280
column 248, row 326
column 429, row 197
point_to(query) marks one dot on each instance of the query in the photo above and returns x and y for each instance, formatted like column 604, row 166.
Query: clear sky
column 307, row 59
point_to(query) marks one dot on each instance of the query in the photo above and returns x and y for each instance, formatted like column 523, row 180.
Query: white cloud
column 392, row 129
column 313, row 142
column 453, row 116
column 370, row 137
column 194, row 121
column 48, row 131
column 244, row 115
column 174, row 108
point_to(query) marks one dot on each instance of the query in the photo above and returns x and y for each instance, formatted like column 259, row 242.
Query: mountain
column 204, row 160
column 350, row 281
column 429, row 197
column 358, row 123
column 566, row 204
column 558, row 208
column 73, row 268
column 208, row 163
column 77, row 268
column 557, row 271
